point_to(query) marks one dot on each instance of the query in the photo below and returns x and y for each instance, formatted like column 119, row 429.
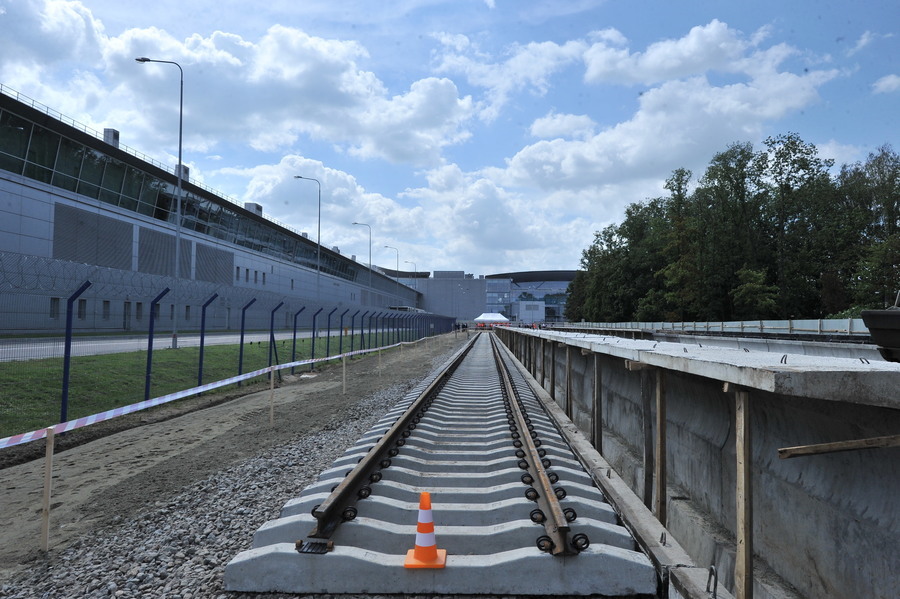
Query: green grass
column 31, row 391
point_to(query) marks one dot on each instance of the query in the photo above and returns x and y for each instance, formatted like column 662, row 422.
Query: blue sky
column 479, row 135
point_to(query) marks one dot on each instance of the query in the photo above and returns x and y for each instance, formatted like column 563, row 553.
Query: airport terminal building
column 78, row 207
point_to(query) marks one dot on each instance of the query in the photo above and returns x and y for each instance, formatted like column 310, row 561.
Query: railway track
column 512, row 507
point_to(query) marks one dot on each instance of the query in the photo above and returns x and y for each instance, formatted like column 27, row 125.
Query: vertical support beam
column 48, row 490
column 660, row 501
column 597, row 406
column 543, row 353
column 553, row 370
column 647, row 425
column 569, row 409
column 743, row 568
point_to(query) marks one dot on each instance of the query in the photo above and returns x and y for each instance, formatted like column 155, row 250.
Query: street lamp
column 397, row 272
column 318, row 233
column 415, row 270
column 370, row 251
column 178, row 171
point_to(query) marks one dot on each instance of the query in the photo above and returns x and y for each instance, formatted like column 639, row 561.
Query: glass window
column 14, row 134
column 54, row 307
column 92, row 167
column 13, row 165
column 113, row 177
column 43, row 147
column 38, row 173
column 82, row 309
column 88, row 189
column 149, row 192
column 131, row 186
column 105, row 309
column 70, row 157
column 68, row 164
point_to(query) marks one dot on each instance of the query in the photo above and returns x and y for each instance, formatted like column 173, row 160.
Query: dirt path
column 115, row 476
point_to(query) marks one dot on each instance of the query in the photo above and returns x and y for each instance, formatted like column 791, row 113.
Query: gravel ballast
column 154, row 540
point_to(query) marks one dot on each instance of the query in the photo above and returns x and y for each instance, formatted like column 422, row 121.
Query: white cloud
column 864, row 40
column 563, row 125
column 886, row 85
column 528, row 67
column 269, row 91
column 709, row 47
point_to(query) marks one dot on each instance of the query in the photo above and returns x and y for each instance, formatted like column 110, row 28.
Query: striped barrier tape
column 163, row 399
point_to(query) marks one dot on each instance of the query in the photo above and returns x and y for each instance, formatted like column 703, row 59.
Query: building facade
column 76, row 208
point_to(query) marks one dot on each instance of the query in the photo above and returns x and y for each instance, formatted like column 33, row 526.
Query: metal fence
column 50, row 379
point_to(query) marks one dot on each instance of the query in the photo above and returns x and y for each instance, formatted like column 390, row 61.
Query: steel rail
column 555, row 522
column 340, row 505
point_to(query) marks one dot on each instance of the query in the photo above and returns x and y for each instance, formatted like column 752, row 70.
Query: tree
column 753, row 299
column 797, row 176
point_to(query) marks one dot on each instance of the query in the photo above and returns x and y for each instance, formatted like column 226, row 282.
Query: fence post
column 153, row 305
column 312, row 353
column 241, row 350
column 203, row 335
column 352, row 333
column 328, row 338
column 294, row 344
column 272, row 334
column 362, row 330
column 341, row 332
column 67, row 355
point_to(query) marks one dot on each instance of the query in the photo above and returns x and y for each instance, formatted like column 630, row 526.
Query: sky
column 488, row 136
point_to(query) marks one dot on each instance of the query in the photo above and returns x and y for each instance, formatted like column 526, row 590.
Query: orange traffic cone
column 426, row 554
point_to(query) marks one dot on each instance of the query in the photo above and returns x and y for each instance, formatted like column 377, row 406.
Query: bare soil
column 112, row 470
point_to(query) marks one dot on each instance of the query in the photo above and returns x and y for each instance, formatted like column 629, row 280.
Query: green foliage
column 762, row 234
column 31, row 390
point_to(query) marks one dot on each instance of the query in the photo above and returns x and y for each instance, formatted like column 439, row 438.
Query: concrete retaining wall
column 822, row 525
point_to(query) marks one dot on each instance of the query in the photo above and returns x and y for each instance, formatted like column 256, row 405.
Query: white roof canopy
column 491, row 317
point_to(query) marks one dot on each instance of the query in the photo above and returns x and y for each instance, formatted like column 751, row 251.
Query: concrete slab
column 599, row 570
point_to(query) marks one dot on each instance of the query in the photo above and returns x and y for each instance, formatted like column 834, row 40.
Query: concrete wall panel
column 826, row 524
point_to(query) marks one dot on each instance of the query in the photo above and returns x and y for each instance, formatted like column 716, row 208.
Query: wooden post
column 48, row 484
column 597, row 406
column 569, row 409
column 553, row 370
column 543, row 357
column 743, row 568
column 272, row 397
column 647, row 425
column 661, row 446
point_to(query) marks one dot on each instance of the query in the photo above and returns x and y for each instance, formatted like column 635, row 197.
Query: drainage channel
column 511, row 505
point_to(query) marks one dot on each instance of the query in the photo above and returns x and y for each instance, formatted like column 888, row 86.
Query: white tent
column 491, row 318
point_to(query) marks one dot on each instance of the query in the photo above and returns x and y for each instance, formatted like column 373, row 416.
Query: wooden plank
column 597, row 404
column 48, row 484
column 743, row 567
column 648, row 438
column 819, row 448
column 553, row 371
column 660, row 500
column 569, row 409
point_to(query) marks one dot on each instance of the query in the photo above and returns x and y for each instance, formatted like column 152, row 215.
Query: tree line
column 768, row 233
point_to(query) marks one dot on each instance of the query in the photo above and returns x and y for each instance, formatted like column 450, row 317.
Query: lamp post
column 398, row 269
column 178, row 172
column 318, row 233
column 415, row 270
column 370, row 251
